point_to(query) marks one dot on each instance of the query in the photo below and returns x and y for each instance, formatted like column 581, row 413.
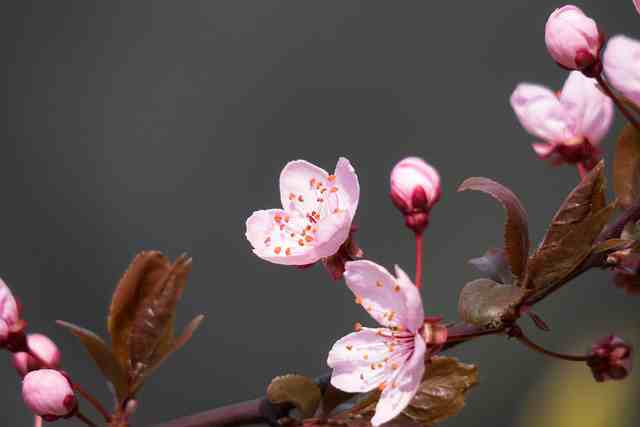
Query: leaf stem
column 85, row 420
column 607, row 90
column 91, row 399
column 419, row 253
column 517, row 333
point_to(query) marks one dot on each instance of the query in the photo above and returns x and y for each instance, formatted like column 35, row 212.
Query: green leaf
column 300, row 391
column 102, row 356
column 486, row 303
column 516, row 232
column 626, row 167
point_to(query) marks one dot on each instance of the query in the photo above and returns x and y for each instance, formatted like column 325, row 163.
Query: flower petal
column 8, row 306
column 269, row 232
column 414, row 311
column 347, row 183
column 541, row 113
column 392, row 303
column 298, row 181
column 592, row 111
column 363, row 360
column 622, row 66
column 404, row 384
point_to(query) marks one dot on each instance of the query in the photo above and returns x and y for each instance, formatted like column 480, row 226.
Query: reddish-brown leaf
column 556, row 260
column 486, row 303
column 102, row 356
column 516, row 233
column 143, row 275
column 151, row 333
column 626, row 167
column 176, row 344
column 586, row 199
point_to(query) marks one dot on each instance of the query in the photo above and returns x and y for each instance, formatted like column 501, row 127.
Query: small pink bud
column 415, row 188
column 48, row 393
column 622, row 66
column 636, row 3
column 610, row 359
column 48, row 355
column 573, row 39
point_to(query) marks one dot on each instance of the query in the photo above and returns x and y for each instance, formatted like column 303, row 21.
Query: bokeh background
column 164, row 124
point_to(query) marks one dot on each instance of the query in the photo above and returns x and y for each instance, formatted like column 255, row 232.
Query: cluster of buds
column 46, row 391
column 415, row 188
column 610, row 359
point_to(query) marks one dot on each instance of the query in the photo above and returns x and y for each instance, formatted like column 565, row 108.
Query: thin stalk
column 37, row 421
column 240, row 413
column 85, row 420
column 419, row 254
column 517, row 333
column 582, row 170
column 91, row 399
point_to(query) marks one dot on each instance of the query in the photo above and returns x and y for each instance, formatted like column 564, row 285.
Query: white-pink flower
column 391, row 358
column 573, row 39
column 316, row 215
column 622, row 66
column 580, row 113
column 9, row 312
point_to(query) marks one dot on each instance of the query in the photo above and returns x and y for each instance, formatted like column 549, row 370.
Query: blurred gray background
column 163, row 125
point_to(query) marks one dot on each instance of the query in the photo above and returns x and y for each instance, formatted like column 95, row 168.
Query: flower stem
column 517, row 333
column 37, row 421
column 419, row 252
column 91, row 399
column 607, row 90
column 85, row 420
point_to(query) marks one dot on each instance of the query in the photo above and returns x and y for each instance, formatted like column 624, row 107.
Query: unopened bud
column 415, row 188
column 46, row 352
column 49, row 394
column 610, row 359
column 574, row 40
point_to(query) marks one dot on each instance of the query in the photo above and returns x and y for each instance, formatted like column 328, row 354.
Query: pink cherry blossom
column 414, row 174
column 9, row 312
column 390, row 358
column 622, row 66
column 573, row 39
column 47, row 352
column 579, row 114
column 48, row 393
column 316, row 215
column 636, row 3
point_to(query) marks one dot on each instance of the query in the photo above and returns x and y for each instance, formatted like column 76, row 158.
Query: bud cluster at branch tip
column 610, row 359
column 415, row 188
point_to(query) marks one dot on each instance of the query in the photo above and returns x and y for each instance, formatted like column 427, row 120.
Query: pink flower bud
column 48, row 393
column 48, row 355
column 415, row 185
column 573, row 39
column 622, row 66
column 610, row 359
column 636, row 3
column 415, row 188
column 10, row 324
